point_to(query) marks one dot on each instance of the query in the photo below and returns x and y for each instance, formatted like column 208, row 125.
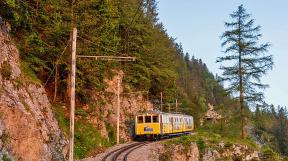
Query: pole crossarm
column 172, row 103
column 108, row 58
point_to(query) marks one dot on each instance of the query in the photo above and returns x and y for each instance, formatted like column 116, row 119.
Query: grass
column 205, row 140
column 81, row 112
column 5, row 139
column 6, row 158
column 111, row 133
column 88, row 139
column 269, row 154
column 29, row 74
column 63, row 121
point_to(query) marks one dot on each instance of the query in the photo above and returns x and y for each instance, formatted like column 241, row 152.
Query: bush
column 87, row 137
column 201, row 144
column 6, row 70
column 269, row 154
column 6, row 158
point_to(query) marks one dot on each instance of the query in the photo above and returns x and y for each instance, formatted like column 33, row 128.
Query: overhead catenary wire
column 138, row 92
column 131, row 23
column 138, row 9
column 96, row 44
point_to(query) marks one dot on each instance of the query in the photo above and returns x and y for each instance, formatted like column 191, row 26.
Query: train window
column 155, row 119
column 140, row 119
column 147, row 119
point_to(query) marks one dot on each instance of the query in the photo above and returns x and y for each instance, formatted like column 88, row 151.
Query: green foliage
column 201, row 144
column 81, row 112
column 87, row 137
column 120, row 28
column 111, row 133
column 269, row 154
column 248, row 57
column 107, row 28
column 6, row 70
column 5, row 139
column 6, row 158
column 62, row 120
column 29, row 74
column 271, row 128
column 206, row 140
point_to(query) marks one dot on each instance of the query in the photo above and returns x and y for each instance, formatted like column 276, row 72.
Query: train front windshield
column 148, row 119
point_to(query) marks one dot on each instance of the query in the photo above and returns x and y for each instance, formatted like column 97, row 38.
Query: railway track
column 126, row 150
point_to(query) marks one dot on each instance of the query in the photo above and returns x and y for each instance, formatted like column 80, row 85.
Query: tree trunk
column 241, row 91
column 55, row 82
column 68, row 88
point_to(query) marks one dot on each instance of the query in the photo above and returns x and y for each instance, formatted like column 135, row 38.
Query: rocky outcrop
column 230, row 152
column 180, row 152
column 130, row 105
column 28, row 130
column 210, row 115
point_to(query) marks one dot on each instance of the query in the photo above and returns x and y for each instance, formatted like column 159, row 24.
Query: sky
column 199, row 24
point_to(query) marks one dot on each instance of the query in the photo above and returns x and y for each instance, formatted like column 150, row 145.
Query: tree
column 247, row 60
column 281, row 130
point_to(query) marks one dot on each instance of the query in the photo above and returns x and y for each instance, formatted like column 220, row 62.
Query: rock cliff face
column 221, row 151
column 180, row 153
column 230, row 152
column 130, row 105
column 28, row 130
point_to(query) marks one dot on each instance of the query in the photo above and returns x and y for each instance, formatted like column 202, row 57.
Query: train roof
column 164, row 113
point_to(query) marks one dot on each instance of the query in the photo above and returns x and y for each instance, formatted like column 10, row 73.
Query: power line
column 109, row 58
column 51, row 73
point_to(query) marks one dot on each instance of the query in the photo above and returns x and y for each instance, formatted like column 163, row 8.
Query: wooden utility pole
column 72, row 97
column 72, row 94
column 161, row 105
column 176, row 103
column 118, row 110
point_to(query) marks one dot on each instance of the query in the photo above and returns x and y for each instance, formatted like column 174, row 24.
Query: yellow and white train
column 159, row 124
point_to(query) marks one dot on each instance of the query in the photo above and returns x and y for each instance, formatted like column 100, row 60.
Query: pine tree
column 247, row 59
column 281, row 130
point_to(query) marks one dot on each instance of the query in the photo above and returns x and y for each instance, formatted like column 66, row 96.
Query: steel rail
column 116, row 150
column 118, row 153
column 131, row 150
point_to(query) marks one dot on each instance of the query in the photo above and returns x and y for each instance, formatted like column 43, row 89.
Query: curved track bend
column 116, row 155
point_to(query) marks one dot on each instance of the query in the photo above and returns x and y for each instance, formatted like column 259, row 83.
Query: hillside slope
column 28, row 129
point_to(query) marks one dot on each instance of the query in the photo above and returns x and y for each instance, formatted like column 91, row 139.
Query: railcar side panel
column 161, row 124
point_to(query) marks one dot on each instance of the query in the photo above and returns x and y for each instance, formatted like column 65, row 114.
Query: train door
column 161, row 124
column 171, row 124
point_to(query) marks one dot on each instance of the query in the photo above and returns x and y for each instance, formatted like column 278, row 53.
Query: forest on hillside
column 42, row 32
column 119, row 28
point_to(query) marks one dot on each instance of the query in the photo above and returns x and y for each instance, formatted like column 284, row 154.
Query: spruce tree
column 247, row 60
